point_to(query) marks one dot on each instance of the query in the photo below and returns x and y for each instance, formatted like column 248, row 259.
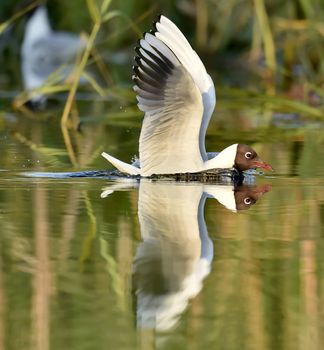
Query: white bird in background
column 176, row 253
column 178, row 98
column 44, row 52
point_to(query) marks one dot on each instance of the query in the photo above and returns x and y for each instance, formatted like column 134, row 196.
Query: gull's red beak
column 263, row 189
column 259, row 191
column 263, row 165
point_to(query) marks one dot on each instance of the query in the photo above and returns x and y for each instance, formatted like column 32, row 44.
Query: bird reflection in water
column 176, row 252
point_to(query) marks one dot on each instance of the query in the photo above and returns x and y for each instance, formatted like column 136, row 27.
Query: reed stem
column 77, row 74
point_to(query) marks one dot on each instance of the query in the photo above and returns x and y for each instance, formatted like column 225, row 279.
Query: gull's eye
column 247, row 200
column 248, row 155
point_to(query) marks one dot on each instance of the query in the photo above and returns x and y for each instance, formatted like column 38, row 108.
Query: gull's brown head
column 246, row 158
column 246, row 196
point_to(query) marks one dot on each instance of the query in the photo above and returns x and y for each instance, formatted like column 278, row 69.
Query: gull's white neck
column 223, row 194
column 223, row 160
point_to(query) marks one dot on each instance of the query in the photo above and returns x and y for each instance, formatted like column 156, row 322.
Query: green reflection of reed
column 264, row 290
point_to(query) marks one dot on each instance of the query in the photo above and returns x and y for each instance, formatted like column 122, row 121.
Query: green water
column 138, row 269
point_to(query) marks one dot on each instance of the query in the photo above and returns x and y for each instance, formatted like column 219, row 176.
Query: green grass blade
column 104, row 7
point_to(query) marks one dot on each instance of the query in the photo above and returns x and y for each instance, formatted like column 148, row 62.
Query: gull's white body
column 177, row 110
column 44, row 52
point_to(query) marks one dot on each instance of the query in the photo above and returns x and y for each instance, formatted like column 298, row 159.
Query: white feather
column 121, row 166
column 156, row 43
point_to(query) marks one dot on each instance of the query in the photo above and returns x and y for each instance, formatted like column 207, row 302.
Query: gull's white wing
column 169, row 140
column 170, row 35
column 177, row 102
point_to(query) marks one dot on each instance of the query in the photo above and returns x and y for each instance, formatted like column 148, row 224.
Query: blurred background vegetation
column 280, row 42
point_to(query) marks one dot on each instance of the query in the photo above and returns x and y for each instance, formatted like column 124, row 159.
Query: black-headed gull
column 177, row 96
column 44, row 51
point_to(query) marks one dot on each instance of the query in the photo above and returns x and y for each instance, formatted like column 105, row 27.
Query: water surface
column 91, row 263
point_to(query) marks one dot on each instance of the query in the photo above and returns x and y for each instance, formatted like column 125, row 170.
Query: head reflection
column 246, row 196
column 176, row 252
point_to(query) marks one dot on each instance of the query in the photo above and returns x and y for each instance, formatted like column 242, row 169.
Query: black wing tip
column 138, row 54
column 154, row 23
column 158, row 18
column 160, row 58
column 159, row 61
column 159, row 64
column 151, row 31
